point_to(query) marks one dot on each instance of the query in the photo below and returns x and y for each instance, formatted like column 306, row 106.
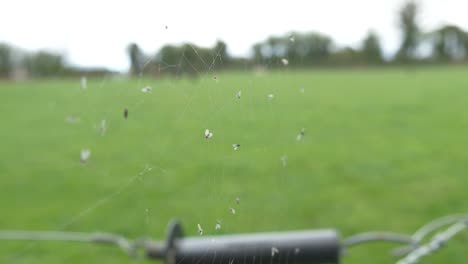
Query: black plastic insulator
column 292, row 247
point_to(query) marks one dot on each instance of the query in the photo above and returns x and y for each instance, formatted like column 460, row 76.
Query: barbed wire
column 436, row 243
column 377, row 236
column 427, row 229
column 413, row 251
column 437, row 223
column 121, row 242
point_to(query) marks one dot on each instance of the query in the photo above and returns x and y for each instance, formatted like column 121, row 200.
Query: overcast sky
column 96, row 32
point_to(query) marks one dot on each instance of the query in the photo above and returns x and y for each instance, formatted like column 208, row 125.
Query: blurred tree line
column 19, row 64
column 447, row 44
column 186, row 59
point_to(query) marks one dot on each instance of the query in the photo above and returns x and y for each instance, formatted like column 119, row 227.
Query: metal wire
column 413, row 251
column 429, row 228
column 101, row 238
column 375, row 237
column 436, row 224
column 435, row 244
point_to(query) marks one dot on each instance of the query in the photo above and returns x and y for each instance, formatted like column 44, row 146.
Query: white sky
column 96, row 32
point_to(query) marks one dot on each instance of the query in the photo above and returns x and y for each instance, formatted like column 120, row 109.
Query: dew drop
column 146, row 89
column 200, row 229
column 274, row 251
column 218, row 225
column 84, row 155
column 72, row 119
column 84, row 83
column 208, row 134
column 103, row 127
column 284, row 160
column 301, row 135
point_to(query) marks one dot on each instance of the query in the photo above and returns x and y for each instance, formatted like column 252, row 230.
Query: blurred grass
column 383, row 150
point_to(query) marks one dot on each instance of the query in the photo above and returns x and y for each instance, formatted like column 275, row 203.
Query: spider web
column 223, row 107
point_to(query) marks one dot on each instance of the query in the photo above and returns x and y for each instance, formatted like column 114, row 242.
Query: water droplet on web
column 237, row 200
column 291, row 38
column 270, row 96
column 302, row 90
column 84, row 155
column 274, row 251
column 284, row 61
column 284, row 160
column 145, row 169
column 146, row 89
column 72, row 119
column 296, row 251
column 200, row 229
column 238, row 95
column 84, row 83
column 235, row 146
column 147, row 215
column 102, row 127
column 300, row 135
column 232, row 210
column 125, row 113
column 218, row 225
column 208, row 134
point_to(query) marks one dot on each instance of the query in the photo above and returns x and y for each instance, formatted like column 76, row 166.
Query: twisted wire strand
column 376, row 237
column 436, row 243
column 429, row 228
column 123, row 243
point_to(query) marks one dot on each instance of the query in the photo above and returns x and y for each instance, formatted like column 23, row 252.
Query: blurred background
column 51, row 38
column 232, row 117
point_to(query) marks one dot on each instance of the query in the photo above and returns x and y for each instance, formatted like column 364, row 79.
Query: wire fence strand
column 100, row 238
column 413, row 251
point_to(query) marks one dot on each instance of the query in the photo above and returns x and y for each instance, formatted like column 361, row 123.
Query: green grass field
column 383, row 150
